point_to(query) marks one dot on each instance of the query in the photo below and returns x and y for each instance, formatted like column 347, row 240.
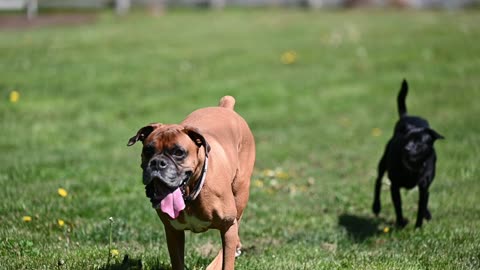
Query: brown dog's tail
column 227, row 102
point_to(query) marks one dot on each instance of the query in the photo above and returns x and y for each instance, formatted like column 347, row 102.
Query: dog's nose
column 158, row 163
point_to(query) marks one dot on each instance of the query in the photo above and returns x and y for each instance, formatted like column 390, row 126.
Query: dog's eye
column 178, row 153
column 426, row 138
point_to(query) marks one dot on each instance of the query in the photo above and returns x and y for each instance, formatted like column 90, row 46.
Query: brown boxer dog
column 197, row 176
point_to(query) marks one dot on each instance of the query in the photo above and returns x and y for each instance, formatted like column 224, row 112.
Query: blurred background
column 122, row 6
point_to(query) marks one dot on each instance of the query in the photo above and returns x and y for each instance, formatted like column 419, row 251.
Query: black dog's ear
column 143, row 133
column 198, row 138
column 435, row 135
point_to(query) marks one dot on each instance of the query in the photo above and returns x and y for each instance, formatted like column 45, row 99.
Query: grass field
column 321, row 120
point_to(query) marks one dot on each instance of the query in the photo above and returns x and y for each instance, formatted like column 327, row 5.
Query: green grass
column 85, row 90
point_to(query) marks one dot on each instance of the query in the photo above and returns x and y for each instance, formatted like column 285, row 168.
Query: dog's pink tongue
column 173, row 203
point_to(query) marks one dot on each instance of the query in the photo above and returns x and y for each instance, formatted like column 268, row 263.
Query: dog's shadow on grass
column 360, row 228
column 133, row 264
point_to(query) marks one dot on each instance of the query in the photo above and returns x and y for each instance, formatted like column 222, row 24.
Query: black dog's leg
column 422, row 207
column 382, row 166
column 423, row 186
column 428, row 216
column 397, row 203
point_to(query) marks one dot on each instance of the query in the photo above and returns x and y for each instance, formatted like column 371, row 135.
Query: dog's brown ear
column 143, row 133
column 197, row 137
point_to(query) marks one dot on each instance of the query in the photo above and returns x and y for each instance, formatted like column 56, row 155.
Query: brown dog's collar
column 198, row 186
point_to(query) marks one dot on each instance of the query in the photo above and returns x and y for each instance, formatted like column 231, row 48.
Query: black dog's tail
column 402, row 108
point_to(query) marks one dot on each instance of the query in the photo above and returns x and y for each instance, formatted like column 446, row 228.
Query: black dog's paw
column 428, row 216
column 418, row 225
column 376, row 208
column 402, row 223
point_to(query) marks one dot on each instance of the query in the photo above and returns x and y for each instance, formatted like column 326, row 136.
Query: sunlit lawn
column 318, row 90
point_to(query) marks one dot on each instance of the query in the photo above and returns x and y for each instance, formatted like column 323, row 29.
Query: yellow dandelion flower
column 258, row 183
column 14, row 96
column 114, row 252
column 60, row 222
column 282, row 175
column 345, row 122
column 386, row 229
column 376, row 132
column 288, row 57
column 269, row 173
column 27, row 218
column 62, row 192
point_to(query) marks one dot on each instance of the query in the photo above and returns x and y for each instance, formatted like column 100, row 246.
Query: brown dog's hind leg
column 241, row 203
column 216, row 264
column 241, row 187
column 225, row 258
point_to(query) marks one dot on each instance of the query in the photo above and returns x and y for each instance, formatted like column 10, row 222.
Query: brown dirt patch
column 15, row 22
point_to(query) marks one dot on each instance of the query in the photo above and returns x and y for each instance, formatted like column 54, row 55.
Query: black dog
column 410, row 160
